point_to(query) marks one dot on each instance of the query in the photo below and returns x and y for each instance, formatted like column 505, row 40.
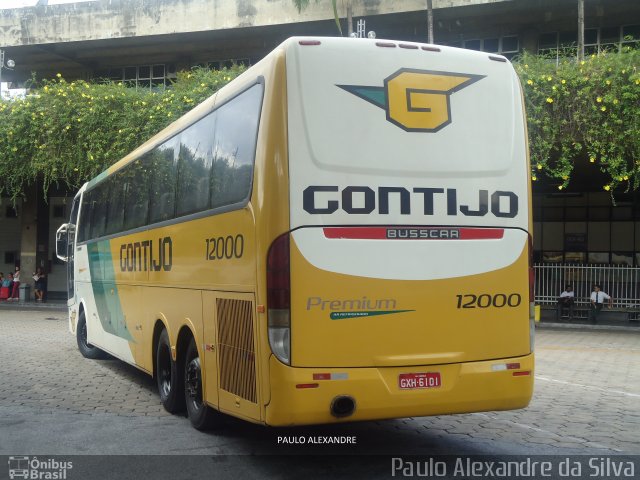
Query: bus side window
column 85, row 216
column 162, row 161
column 115, row 208
column 137, row 197
column 194, row 166
column 100, row 199
column 236, row 136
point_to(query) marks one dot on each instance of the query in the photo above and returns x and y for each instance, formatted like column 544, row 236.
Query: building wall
column 110, row 19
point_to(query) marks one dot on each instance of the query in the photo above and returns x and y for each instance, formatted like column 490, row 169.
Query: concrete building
column 145, row 42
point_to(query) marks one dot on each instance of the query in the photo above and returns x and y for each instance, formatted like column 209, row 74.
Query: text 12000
column 487, row 300
column 220, row 248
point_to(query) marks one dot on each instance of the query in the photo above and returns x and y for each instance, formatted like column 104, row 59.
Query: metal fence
column 620, row 281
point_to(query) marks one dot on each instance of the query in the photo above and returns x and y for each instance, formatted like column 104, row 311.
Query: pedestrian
column 597, row 300
column 15, row 294
column 566, row 300
column 40, row 287
column 5, row 287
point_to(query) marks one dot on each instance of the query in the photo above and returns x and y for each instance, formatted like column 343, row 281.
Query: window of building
column 596, row 40
column 508, row 46
column 142, row 76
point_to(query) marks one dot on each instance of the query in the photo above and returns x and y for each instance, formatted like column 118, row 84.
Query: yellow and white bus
column 341, row 233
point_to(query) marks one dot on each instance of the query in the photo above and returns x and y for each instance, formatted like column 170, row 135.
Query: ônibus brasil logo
column 416, row 100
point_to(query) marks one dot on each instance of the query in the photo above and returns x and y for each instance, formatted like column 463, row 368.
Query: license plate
column 409, row 381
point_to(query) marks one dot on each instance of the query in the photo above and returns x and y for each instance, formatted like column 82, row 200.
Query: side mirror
column 62, row 240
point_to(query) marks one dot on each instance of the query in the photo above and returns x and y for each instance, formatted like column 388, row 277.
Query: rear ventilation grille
column 235, row 341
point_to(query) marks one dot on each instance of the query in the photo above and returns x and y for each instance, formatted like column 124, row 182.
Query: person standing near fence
column 597, row 300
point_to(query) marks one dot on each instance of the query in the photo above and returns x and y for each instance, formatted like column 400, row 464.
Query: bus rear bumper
column 299, row 399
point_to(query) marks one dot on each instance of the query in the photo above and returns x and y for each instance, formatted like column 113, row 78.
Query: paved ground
column 53, row 401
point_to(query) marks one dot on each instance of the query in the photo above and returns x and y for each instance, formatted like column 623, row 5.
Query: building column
column 29, row 235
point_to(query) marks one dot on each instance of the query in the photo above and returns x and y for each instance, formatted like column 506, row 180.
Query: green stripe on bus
column 105, row 290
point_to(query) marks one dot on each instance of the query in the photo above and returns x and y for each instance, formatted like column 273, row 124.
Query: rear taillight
column 279, row 298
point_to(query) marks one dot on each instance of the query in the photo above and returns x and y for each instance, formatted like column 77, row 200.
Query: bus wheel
column 202, row 416
column 168, row 376
column 87, row 350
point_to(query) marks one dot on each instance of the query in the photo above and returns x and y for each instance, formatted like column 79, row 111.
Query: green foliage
column 68, row 132
column 585, row 111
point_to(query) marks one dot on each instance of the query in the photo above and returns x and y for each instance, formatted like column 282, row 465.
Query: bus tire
column 201, row 416
column 86, row 349
column 168, row 376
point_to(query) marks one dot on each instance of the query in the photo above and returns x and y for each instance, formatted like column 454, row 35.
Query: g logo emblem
column 416, row 100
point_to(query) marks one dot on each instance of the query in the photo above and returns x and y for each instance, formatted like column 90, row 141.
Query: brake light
column 279, row 298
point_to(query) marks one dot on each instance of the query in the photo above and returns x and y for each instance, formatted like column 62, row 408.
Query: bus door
column 66, row 246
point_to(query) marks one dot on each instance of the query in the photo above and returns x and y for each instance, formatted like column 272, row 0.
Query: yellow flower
column 539, row 166
column 563, row 81
column 607, row 187
column 608, row 82
column 592, row 159
column 626, row 177
column 534, row 178
column 565, row 177
column 560, row 187
column 549, row 79
column 90, row 157
column 599, row 99
column 615, row 101
column 75, row 169
column 526, row 66
column 603, row 108
column 549, row 100
column 554, row 88
column 529, row 82
column 59, row 75
column 582, row 62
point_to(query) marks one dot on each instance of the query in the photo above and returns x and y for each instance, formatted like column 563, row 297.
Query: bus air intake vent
column 236, row 350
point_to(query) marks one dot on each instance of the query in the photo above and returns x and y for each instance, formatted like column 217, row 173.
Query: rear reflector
column 414, row 233
column 307, row 385
column 513, row 366
column 522, row 374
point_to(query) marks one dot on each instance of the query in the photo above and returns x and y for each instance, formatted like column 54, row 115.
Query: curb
column 584, row 326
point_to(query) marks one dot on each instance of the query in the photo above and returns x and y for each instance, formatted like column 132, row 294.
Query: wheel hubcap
column 164, row 372
column 193, row 385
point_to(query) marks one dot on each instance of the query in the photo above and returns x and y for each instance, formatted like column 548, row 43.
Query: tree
column 580, row 30
column 302, row 4
column 429, row 21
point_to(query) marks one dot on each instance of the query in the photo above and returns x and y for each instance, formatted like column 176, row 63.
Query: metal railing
column 621, row 282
